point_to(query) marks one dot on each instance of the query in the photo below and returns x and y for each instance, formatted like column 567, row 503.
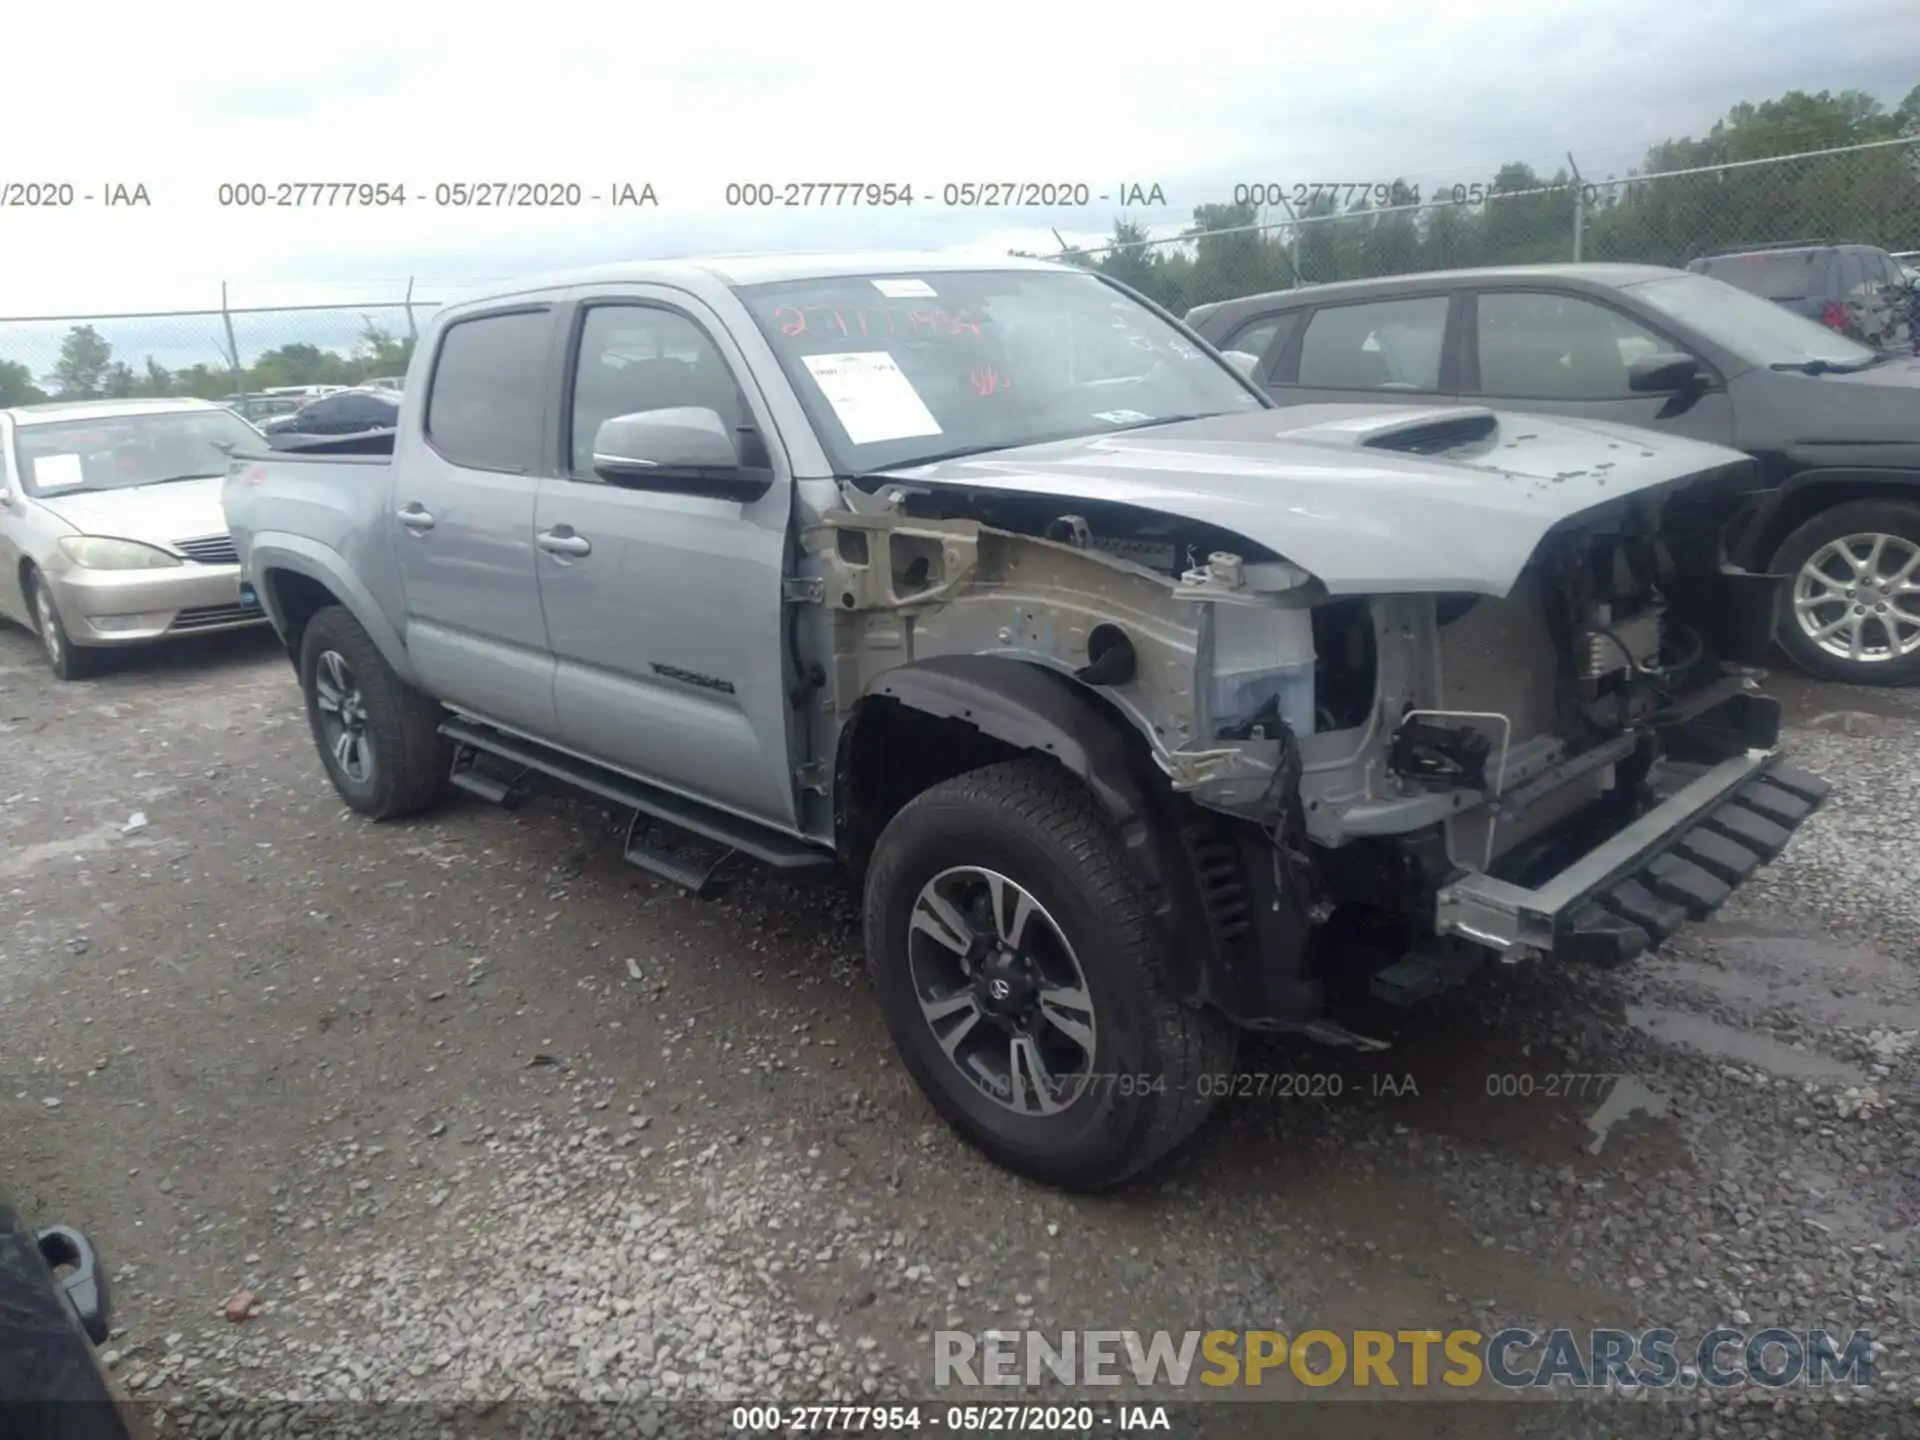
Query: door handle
column 563, row 542
column 415, row 517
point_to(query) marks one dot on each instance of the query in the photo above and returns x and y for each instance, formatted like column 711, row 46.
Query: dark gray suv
column 1835, row 424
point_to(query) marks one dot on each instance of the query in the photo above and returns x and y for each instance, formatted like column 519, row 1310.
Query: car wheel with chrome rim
column 1021, row 981
column 1851, row 612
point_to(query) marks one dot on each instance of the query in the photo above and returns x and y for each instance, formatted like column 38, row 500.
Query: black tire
column 67, row 660
column 398, row 732
column 1157, row 1063
column 1860, row 517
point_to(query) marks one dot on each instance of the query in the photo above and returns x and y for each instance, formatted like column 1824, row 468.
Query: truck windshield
column 897, row 370
column 114, row 452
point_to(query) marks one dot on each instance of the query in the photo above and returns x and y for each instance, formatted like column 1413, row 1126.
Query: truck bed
column 367, row 442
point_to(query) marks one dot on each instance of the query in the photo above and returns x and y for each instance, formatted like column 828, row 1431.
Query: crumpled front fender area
column 1022, row 709
column 1227, row 936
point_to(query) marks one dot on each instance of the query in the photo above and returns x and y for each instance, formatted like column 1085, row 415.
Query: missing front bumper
column 1678, row 862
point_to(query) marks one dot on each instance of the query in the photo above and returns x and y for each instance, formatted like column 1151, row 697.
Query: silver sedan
column 111, row 531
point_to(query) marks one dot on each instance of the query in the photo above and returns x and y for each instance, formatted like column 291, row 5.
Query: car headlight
column 101, row 552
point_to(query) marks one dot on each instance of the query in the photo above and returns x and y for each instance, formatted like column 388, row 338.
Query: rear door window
column 484, row 400
column 1383, row 345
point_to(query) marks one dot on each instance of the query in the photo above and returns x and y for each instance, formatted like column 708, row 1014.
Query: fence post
column 1579, row 206
column 1293, row 260
column 233, row 349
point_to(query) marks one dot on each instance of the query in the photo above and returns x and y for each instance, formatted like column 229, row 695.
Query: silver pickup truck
column 1144, row 711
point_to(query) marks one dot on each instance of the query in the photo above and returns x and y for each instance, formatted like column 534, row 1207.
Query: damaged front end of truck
column 1373, row 696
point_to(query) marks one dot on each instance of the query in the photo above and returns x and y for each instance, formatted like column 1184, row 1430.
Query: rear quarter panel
column 323, row 518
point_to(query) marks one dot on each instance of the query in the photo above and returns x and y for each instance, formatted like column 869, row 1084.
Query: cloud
column 689, row 99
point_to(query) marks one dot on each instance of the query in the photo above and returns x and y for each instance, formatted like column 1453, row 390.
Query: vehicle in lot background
column 1144, row 711
column 1835, row 425
column 259, row 409
column 345, row 412
column 111, row 531
column 1859, row 290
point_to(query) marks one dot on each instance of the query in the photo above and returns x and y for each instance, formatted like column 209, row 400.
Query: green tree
column 1318, row 251
column 203, row 382
column 295, row 364
column 82, row 366
column 119, row 382
column 158, row 380
column 1233, row 256
column 380, row 353
column 16, row 385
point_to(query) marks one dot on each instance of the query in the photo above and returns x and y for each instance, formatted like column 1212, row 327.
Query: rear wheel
column 1852, row 612
column 378, row 736
column 67, row 660
column 1020, row 980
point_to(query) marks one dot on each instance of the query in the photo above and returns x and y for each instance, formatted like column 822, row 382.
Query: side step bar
column 648, row 803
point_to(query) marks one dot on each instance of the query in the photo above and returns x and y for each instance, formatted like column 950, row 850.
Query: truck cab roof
column 696, row 272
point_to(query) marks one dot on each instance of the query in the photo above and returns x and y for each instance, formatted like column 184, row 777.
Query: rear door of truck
column 465, row 477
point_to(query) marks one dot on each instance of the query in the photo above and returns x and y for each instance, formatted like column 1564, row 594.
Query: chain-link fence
column 213, row 354
column 1275, row 237
column 1262, row 237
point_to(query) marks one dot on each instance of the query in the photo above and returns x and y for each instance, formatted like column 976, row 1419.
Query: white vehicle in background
column 111, row 531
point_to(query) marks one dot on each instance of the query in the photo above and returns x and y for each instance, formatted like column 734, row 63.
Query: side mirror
column 1243, row 362
column 687, row 451
column 1664, row 373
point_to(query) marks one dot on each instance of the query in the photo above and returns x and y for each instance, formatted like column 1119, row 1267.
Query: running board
column 730, row 833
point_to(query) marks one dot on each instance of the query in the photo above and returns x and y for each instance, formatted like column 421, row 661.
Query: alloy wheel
column 1002, row 990
column 343, row 716
column 1858, row 598
column 49, row 623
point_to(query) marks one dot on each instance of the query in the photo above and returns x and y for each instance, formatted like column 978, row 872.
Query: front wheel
column 1019, row 978
column 67, row 660
column 1852, row 611
column 378, row 736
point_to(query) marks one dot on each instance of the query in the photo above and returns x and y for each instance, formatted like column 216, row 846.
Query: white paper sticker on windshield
column 58, row 472
column 905, row 289
column 1121, row 417
column 870, row 396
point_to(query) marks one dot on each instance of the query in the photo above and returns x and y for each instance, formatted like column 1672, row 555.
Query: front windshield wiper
column 170, row 479
column 962, row 453
column 1826, row 367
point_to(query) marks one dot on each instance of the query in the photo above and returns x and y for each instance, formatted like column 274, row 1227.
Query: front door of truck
column 461, row 519
column 664, row 607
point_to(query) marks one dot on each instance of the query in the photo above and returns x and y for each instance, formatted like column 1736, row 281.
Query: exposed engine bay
column 1404, row 771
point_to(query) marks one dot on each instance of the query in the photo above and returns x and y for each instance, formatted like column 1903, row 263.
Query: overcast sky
column 689, row 97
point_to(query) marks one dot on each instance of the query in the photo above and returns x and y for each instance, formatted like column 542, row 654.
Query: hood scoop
column 1408, row 432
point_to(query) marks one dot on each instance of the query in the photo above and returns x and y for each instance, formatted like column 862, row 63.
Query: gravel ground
column 472, row 1112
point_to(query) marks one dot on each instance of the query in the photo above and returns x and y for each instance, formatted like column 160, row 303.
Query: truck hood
column 1336, row 490
column 157, row 514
